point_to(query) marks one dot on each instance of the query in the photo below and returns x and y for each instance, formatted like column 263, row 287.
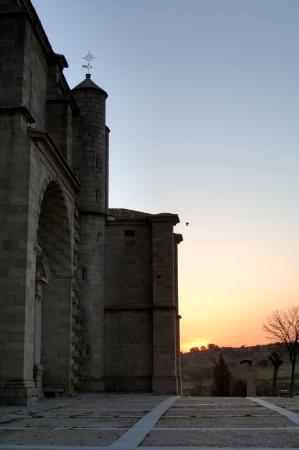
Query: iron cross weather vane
column 88, row 58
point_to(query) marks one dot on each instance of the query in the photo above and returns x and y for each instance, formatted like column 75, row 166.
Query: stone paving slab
column 224, row 438
column 60, row 437
column 246, row 412
column 293, row 417
column 225, row 422
column 292, row 404
column 121, row 422
column 111, row 413
column 214, row 406
column 204, row 402
column 95, row 420
column 86, row 422
column 133, row 437
column 214, row 401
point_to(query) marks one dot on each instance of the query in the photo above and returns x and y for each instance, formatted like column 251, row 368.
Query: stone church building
column 88, row 294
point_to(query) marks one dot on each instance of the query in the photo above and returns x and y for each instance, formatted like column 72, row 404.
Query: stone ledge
column 17, row 110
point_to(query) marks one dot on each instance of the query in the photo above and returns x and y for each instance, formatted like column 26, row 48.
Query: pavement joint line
column 176, row 408
column 91, row 417
column 154, row 429
column 132, row 438
column 243, row 405
column 167, row 416
column 293, row 417
column 64, row 428
column 214, row 429
column 106, row 409
column 83, row 447
column 218, row 448
column 50, row 447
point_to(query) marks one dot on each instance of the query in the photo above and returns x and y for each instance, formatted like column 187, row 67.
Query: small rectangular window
column 129, row 233
column 83, row 273
column 97, row 165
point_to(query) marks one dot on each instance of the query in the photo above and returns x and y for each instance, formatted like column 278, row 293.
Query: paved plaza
column 151, row 422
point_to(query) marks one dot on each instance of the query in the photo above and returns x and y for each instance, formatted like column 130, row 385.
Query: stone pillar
column 250, row 377
column 178, row 238
column 37, row 367
column 16, row 264
column 16, row 302
column 37, row 323
column 90, row 161
column 251, row 384
column 164, row 307
column 42, row 276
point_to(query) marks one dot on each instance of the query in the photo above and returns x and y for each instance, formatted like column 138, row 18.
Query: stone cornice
column 173, row 219
column 45, row 143
column 144, row 218
column 18, row 110
column 113, row 221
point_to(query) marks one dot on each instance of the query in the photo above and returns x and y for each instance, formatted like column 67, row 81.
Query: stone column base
column 14, row 392
column 165, row 385
column 38, row 379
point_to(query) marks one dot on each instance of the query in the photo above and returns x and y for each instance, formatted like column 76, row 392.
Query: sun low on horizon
column 194, row 343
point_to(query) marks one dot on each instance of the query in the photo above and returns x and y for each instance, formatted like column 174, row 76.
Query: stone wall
column 128, row 307
column 141, row 303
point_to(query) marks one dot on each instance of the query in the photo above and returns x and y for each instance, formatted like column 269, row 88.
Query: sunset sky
column 204, row 114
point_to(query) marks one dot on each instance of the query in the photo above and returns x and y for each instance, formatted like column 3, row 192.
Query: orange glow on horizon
column 193, row 342
column 233, row 284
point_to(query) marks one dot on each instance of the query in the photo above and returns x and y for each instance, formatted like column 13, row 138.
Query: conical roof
column 89, row 84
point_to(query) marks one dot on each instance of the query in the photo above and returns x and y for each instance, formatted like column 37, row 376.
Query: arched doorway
column 53, row 294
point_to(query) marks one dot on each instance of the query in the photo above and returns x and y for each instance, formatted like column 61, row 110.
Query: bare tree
column 283, row 327
column 276, row 361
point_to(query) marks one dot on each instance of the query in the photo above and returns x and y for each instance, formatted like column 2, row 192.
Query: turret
column 90, row 162
column 91, row 158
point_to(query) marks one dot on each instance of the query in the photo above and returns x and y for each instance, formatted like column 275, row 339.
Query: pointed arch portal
column 53, row 294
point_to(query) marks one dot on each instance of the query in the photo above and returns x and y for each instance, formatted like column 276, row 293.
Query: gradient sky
column 203, row 108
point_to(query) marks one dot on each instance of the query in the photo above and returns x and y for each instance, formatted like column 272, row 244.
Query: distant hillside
column 197, row 367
